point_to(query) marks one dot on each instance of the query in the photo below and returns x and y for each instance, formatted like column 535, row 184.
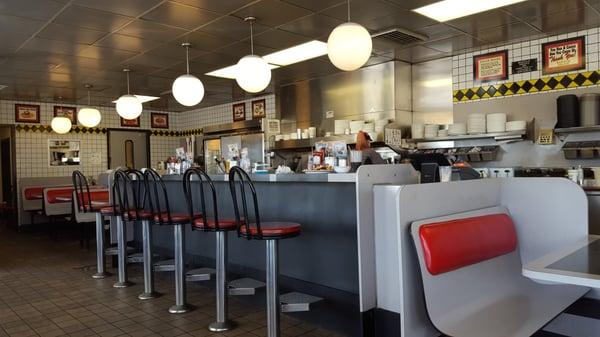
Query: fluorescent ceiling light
column 230, row 71
column 451, row 9
column 143, row 99
column 302, row 52
column 299, row 53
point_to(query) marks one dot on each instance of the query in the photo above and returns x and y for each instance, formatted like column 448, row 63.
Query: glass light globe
column 188, row 90
column 349, row 46
column 89, row 117
column 253, row 73
column 61, row 125
column 129, row 107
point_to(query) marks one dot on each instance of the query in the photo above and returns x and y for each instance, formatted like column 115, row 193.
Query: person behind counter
column 363, row 144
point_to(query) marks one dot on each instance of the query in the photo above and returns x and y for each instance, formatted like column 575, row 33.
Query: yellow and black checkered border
column 561, row 82
column 83, row 130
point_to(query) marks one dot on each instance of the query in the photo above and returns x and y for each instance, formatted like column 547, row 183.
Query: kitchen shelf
column 497, row 136
column 578, row 129
column 296, row 144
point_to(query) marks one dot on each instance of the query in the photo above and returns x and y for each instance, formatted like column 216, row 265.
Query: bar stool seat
column 176, row 218
column 224, row 224
column 137, row 215
column 272, row 230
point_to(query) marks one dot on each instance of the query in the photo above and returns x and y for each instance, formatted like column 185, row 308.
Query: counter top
column 274, row 178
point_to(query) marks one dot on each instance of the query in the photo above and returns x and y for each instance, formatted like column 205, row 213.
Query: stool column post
column 149, row 292
column 101, row 272
column 221, row 287
column 273, row 305
column 180, row 286
column 122, row 281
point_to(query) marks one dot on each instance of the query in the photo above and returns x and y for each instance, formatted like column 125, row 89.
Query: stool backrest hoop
column 203, row 180
column 137, row 188
column 239, row 180
column 120, row 196
column 82, row 189
column 158, row 200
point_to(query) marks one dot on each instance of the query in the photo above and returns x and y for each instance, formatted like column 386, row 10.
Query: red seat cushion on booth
column 34, row 193
column 273, row 229
column 450, row 245
column 62, row 193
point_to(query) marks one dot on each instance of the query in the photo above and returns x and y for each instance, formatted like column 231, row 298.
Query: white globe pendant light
column 88, row 116
column 187, row 89
column 129, row 106
column 253, row 73
column 61, row 125
column 349, row 45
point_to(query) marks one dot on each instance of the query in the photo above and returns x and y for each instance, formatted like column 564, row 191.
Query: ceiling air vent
column 400, row 35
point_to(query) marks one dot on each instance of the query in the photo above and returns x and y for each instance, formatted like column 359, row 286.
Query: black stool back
column 203, row 181
column 129, row 193
column 82, row 190
column 239, row 181
column 158, row 200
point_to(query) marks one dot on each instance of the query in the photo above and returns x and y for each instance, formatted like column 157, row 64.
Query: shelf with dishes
column 577, row 114
column 467, row 153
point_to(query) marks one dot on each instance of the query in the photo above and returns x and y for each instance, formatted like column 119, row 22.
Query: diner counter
column 275, row 178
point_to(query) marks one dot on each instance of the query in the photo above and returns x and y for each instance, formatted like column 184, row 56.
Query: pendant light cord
column 127, row 73
column 348, row 10
column 89, row 98
column 251, row 37
column 187, row 58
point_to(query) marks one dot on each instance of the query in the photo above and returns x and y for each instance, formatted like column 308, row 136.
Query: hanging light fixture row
column 129, row 106
column 88, row 116
column 61, row 124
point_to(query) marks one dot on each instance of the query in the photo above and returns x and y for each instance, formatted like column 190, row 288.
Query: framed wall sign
column 490, row 67
column 239, row 112
column 159, row 120
column 27, row 113
column 564, row 55
column 66, row 111
column 132, row 123
column 259, row 109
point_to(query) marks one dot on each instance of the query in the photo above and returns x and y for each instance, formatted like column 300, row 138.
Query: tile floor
column 46, row 290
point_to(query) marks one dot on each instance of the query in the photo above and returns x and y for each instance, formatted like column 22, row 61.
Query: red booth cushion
column 34, row 193
column 450, row 245
column 53, row 195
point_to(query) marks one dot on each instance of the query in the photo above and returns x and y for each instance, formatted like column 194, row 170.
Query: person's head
column 363, row 141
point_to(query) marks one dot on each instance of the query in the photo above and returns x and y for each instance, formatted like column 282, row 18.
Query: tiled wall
column 220, row 114
column 462, row 65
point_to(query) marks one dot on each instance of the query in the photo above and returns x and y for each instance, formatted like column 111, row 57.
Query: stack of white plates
column 516, row 125
column 356, row 126
column 496, row 122
column 417, row 131
column 431, row 130
column 340, row 126
column 442, row 133
column 457, row 129
column 476, row 124
column 369, row 127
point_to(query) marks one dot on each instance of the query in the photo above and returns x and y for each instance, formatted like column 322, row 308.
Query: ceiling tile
column 242, row 49
column 178, row 15
column 154, row 61
column 231, row 27
column 454, row 44
column 53, row 46
column 563, row 22
column 223, row 7
column 314, row 26
column 315, row 5
column 151, row 31
column 506, row 33
column 411, row 4
column 90, row 18
column 206, row 42
column 539, row 8
column 16, row 25
column 438, row 31
column 113, row 55
column 56, row 31
column 126, row 42
column 131, row 8
column 30, row 8
column 272, row 13
column 216, row 59
column 369, row 13
column 279, row 39
column 481, row 21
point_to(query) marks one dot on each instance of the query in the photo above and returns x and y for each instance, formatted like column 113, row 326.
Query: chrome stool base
column 122, row 284
column 99, row 276
column 180, row 309
column 149, row 296
column 221, row 326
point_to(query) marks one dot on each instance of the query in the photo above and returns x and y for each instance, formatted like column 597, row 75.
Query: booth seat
column 31, row 193
column 466, row 281
column 57, row 201
column 100, row 197
column 471, row 273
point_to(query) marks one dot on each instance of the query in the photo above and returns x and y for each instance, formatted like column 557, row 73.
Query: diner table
column 576, row 264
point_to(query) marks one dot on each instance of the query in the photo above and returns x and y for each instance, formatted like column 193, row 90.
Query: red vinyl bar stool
column 133, row 199
column 270, row 232
column 205, row 187
column 158, row 201
column 84, row 201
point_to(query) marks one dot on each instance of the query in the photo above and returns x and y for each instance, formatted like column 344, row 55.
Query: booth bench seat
column 471, row 272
